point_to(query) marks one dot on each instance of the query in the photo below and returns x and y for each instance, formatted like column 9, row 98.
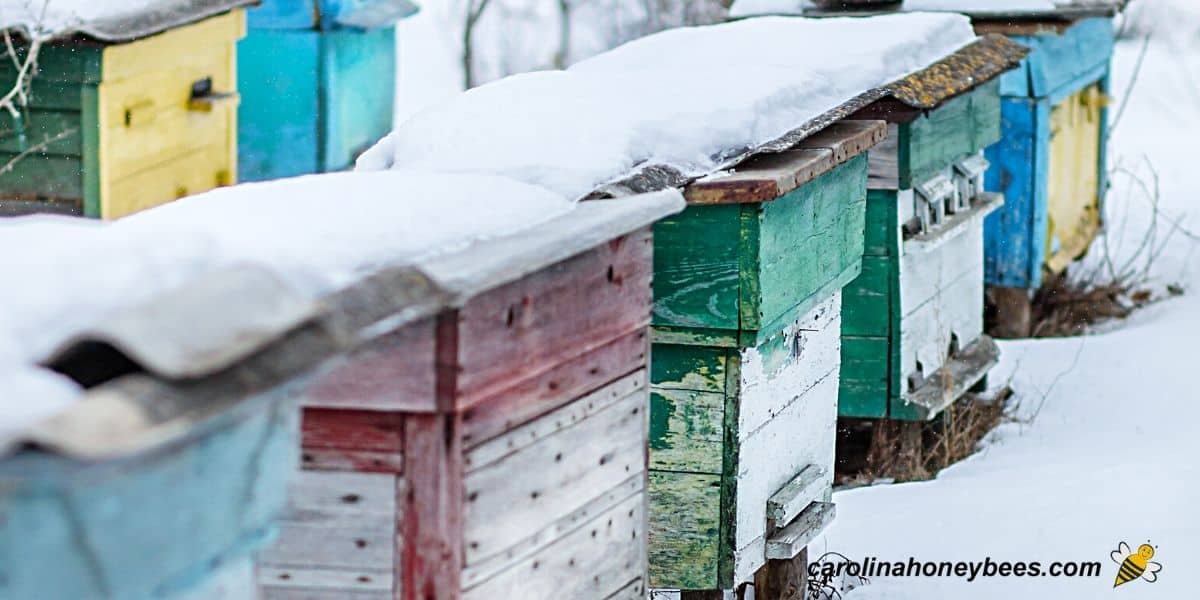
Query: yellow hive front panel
column 1074, row 194
column 157, row 142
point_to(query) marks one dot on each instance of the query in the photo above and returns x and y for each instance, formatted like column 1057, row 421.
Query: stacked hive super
column 913, row 338
column 747, row 319
column 486, row 439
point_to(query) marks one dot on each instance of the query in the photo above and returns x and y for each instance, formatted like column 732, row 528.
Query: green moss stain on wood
column 684, row 530
column 696, row 268
column 962, row 126
column 687, row 367
column 686, row 432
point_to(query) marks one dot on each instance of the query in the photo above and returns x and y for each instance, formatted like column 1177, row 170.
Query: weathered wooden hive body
column 171, row 469
column 1051, row 163
column 912, row 336
column 747, row 317
column 487, row 437
column 318, row 83
column 126, row 113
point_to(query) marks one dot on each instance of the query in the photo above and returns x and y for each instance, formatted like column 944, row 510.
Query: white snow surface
column 747, row 8
column 746, row 82
column 1109, row 450
column 318, row 233
column 47, row 18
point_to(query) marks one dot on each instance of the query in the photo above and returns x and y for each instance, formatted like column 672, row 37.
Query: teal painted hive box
column 176, row 519
column 318, row 84
column 912, row 332
column 747, row 312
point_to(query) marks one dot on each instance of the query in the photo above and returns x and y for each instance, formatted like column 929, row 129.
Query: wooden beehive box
column 494, row 446
column 318, row 84
column 1050, row 164
column 747, row 284
column 912, row 336
column 126, row 114
column 170, row 470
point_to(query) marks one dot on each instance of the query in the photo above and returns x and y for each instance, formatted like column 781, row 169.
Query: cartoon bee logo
column 1135, row 564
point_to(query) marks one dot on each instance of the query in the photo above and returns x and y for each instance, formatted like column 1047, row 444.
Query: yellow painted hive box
column 115, row 126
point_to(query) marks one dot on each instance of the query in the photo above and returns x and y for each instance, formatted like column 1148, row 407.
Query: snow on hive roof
column 316, row 234
column 691, row 98
column 107, row 20
column 979, row 9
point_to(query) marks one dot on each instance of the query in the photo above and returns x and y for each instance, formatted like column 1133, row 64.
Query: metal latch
column 205, row 99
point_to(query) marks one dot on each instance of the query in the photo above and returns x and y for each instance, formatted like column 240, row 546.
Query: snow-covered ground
column 1109, row 452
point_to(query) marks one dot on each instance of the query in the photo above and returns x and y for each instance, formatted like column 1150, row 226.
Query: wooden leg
column 1012, row 312
column 782, row 579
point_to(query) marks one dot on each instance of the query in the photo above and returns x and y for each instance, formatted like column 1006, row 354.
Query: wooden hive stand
column 495, row 447
column 747, row 314
column 127, row 114
column 318, row 84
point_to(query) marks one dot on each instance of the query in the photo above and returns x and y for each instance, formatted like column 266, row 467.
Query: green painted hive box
column 747, row 284
column 128, row 113
column 912, row 332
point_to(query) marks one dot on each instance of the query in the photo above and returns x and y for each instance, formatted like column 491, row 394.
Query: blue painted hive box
column 1051, row 164
column 317, row 79
column 171, row 519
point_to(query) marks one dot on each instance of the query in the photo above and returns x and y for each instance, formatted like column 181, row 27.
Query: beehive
column 912, row 337
column 747, row 314
column 494, row 446
column 126, row 115
column 318, row 84
column 1051, row 163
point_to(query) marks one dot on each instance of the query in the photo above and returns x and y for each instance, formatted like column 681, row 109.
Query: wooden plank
column 883, row 170
column 37, row 126
column 319, row 584
column 684, row 530
column 392, row 372
column 953, row 380
column 962, row 126
column 864, row 389
column 358, row 86
column 696, row 268
column 794, row 538
column 596, row 560
column 766, row 177
column 867, row 301
column 352, row 430
column 847, row 139
column 802, row 433
column 810, row 244
column 1062, row 64
column 341, row 459
column 686, row 431
column 1015, row 235
column 762, row 178
column 1073, row 200
column 560, row 454
column 687, row 367
column 281, row 105
column 955, row 225
column 526, row 327
column 431, row 517
column 804, row 489
column 554, row 388
column 538, row 539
